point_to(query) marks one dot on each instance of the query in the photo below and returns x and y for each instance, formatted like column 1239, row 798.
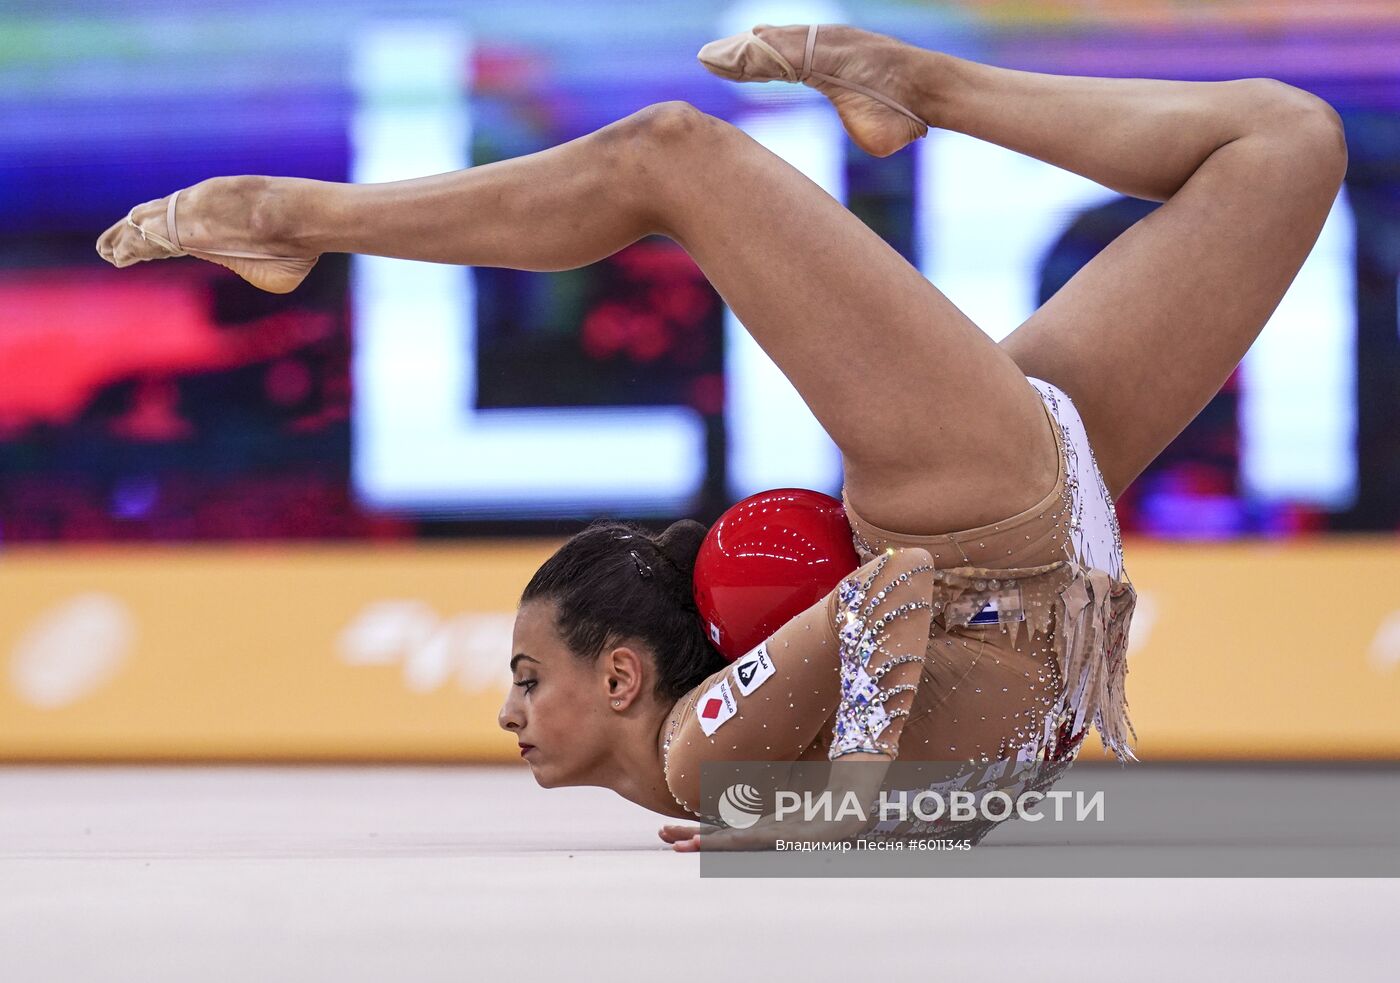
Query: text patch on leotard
column 984, row 608
column 715, row 706
column 752, row 670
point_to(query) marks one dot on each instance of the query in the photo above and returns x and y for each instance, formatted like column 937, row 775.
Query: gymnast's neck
column 633, row 765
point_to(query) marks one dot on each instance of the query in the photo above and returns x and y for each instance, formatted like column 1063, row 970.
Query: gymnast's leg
column 934, row 419
column 1148, row 331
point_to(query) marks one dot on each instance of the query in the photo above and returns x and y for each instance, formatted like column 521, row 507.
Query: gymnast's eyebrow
column 521, row 655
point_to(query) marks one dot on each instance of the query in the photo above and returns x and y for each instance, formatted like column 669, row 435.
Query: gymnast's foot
column 239, row 214
column 875, row 61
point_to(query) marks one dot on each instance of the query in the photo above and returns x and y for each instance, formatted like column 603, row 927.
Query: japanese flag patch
column 752, row 670
column 715, row 706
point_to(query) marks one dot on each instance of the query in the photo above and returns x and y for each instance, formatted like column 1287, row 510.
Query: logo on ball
column 740, row 806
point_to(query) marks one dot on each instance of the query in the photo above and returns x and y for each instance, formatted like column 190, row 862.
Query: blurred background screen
column 389, row 399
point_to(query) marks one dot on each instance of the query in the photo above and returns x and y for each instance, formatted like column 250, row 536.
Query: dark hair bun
column 617, row 580
column 681, row 544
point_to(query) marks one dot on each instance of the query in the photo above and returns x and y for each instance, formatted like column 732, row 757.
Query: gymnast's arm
column 846, row 669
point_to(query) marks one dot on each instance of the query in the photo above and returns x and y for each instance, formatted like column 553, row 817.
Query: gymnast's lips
column 526, row 749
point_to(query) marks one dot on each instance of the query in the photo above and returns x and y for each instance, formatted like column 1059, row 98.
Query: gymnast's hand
column 764, row 834
column 686, row 839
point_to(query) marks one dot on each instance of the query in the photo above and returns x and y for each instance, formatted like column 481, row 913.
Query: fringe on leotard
column 1083, row 615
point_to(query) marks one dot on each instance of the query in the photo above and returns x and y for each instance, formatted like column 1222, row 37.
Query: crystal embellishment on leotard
column 861, row 716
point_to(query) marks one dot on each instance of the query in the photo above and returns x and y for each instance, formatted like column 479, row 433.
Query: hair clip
column 642, row 567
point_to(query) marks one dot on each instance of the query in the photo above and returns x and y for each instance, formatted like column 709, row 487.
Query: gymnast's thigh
column 921, row 494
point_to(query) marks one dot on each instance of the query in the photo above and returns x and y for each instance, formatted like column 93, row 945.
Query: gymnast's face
column 558, row 708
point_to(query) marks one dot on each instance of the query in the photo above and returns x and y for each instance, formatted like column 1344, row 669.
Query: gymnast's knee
column 675, row 123
column 1303, row 115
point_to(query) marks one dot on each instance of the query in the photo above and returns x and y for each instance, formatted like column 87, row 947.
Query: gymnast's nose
column 510, row 718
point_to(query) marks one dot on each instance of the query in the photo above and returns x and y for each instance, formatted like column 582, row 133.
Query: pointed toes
column 125, row 254
column 122, row 246
column 743, row 58
column 719, row 57
column 106, row 242
column 135, row 238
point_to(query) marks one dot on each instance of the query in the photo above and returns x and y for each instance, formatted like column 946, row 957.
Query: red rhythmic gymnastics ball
column 766, row 560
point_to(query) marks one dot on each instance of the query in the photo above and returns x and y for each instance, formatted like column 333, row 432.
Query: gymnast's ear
column 624, row 672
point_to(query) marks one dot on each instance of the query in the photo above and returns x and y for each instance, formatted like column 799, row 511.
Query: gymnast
column 988, row 620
